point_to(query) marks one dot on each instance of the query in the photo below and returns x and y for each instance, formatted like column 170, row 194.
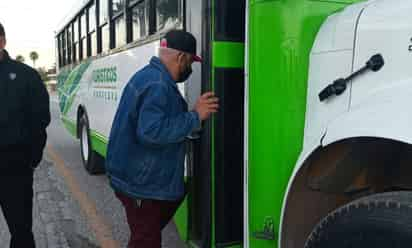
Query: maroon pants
column 147, row 219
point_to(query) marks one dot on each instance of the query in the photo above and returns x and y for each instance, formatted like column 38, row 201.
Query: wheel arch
column 327, row 177
column 81, row 110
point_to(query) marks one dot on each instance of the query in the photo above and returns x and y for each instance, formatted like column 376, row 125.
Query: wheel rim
column 85, row 143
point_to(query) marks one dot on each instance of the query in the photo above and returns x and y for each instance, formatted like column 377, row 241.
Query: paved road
column 72, row 208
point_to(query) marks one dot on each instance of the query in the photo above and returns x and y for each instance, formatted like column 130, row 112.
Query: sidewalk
column 53, row 224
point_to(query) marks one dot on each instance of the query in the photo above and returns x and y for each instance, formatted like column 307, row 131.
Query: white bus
column 307, row 139
column 101, row 46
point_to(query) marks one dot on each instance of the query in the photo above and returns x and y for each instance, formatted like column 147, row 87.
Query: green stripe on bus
column 70, row 126
column 181, row 215
column 99, row 143
column 228, row 54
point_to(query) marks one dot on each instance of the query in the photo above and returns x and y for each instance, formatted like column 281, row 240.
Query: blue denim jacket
column 146, row 151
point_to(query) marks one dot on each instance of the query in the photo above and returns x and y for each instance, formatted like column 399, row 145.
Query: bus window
column 120, row 31
column 69, row 43
column 169, row 14
column 105, row 38
column 119, row 21
column 104, row 12
column 83, row 31
column 58, row 51
column 92, row 18
column 76, row 40
column 140, row 21
column 64, row 47
column 92, row 37
column 104, row 26
column 93, row 44
column 117, row 6
column 59, row 41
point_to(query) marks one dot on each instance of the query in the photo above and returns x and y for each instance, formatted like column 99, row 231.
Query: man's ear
column 180, row 57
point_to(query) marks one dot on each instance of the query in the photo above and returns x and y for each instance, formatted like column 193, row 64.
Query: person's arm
column 39, row 110
column 155, row 127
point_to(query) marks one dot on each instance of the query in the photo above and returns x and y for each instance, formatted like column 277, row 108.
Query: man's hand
column 206, row 105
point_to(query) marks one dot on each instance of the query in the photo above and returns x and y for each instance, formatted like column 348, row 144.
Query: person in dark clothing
column 24, row 116
column 146, row 151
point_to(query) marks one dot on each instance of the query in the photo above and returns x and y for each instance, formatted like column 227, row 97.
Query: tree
column 34, row 56
column 20, row 58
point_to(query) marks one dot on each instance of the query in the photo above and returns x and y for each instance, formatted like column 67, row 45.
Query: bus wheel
column 92, row 161
column 376, row 221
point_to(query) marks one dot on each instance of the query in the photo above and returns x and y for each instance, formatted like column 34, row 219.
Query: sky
column 31, row 24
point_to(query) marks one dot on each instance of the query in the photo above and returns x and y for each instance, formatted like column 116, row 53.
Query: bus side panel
column 97, row 85
column 70, row 90
column 281, row 37
column 107, row 79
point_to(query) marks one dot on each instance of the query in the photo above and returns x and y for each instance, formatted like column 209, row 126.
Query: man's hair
column 2, row 32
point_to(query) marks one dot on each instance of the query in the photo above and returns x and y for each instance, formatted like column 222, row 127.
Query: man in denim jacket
column 146, row 151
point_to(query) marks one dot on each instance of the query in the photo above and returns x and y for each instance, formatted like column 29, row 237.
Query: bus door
column 228, row 130
column 216, row 159
column 199, row 160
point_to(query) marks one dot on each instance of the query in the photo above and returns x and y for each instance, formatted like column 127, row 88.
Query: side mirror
column 375, row 63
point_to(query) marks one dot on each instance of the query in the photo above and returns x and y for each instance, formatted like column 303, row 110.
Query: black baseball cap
column 182, row 41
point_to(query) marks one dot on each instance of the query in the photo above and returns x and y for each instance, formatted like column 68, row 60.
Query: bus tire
column 381, row 220
column 92, row 161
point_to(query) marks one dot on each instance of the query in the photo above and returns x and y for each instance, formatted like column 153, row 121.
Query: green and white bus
column 314, row 125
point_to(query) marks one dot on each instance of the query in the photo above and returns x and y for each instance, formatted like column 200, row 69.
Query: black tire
column 92, row 161
column 376, row 221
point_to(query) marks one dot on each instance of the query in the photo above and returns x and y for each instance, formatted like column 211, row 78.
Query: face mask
column 184, row 75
